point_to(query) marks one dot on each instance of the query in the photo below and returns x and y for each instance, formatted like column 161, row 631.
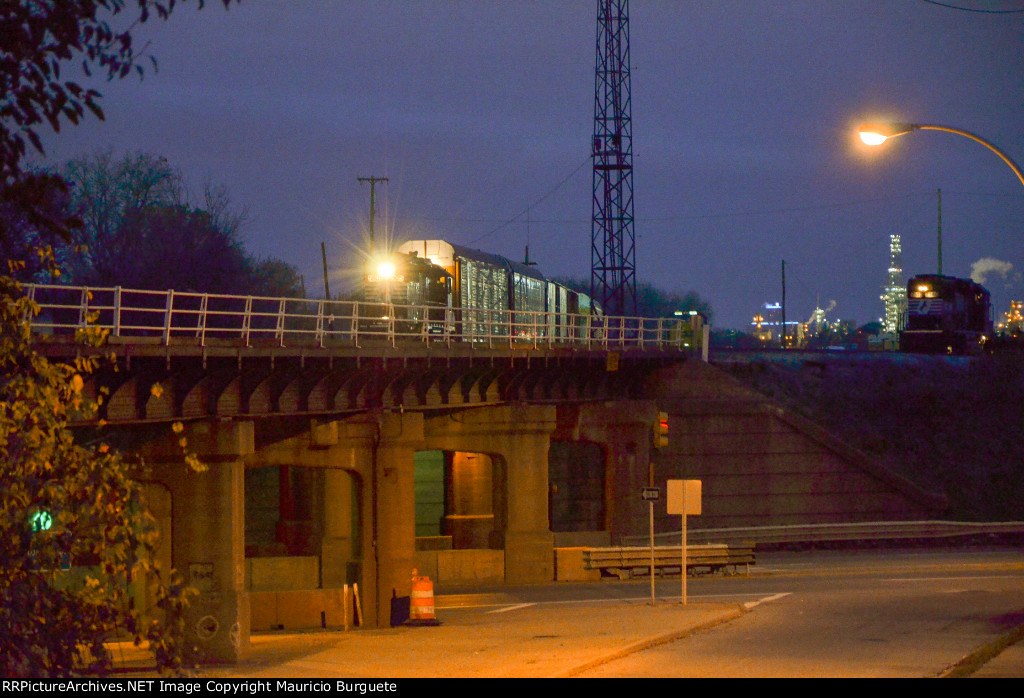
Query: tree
column 40, row 38
column 34, row 235
column 653, row 302
column 140, row 229
column 66, row 504
column 103, row 190
column 272, row 277
column 172, row 247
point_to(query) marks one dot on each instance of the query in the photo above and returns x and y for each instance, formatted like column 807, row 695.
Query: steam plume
column 989, row 265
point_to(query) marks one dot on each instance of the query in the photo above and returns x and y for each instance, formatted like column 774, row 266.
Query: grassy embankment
column 951, row 426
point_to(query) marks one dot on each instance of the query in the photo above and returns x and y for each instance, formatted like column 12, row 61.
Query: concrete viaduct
column 357, row 462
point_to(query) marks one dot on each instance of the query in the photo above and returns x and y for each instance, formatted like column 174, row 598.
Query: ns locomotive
column 436, row 287
column 947, row 315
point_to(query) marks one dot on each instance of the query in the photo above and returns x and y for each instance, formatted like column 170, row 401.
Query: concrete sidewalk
column 548, row 640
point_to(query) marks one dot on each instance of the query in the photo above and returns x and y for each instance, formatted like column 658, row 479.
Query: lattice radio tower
column 612, row 251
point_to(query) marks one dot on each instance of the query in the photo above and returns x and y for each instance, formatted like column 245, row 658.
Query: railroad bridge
column 333, row 432
column 346, row 446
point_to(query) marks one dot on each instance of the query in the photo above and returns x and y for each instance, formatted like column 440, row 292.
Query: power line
column 972, row 9
column 517, row 216
column 683, row 217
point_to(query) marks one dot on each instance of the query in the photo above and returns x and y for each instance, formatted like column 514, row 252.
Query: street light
column 876, row 134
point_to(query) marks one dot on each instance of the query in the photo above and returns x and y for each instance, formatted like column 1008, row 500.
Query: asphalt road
column 819, row 614
column 859, row 614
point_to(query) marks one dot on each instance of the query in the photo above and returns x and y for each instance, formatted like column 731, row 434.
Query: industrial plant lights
column 876, row 134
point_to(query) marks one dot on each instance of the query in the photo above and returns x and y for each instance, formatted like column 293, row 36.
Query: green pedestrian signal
column 40, row 520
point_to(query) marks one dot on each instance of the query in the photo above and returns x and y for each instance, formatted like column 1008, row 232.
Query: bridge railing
column 196, row 318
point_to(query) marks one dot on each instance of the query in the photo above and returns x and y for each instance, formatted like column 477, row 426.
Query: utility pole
column 323, row 255
column 527, row 262
column 783, row 304
column 940, row 232
column 373, row 205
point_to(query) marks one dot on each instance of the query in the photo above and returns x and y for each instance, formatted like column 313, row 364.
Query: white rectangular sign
column 683, row 497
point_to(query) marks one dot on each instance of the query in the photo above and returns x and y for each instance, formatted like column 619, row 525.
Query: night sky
column 480, row 113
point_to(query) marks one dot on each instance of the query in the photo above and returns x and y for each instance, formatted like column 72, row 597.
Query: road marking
column 505, row 607
column 951, row 579
column 512, row 608
column 774, row 597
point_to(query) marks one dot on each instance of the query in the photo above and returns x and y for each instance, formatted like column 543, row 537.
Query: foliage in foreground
column 74, row 529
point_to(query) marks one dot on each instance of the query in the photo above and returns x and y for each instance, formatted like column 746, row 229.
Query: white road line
column 502, row 608
column 774, row 597
column 512, row 608
column 951, row 579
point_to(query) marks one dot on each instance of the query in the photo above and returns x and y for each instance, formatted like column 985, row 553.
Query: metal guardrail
column 200, row 317
column 811, row 533
column 636, row 561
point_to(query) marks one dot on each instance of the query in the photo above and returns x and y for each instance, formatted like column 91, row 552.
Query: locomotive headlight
column 923, row 287
column 385, row 270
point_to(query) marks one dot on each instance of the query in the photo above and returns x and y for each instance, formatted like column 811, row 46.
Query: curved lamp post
column 876, row 134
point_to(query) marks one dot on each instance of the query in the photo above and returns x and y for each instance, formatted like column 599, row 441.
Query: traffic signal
column 661, row 430
column 40, row 520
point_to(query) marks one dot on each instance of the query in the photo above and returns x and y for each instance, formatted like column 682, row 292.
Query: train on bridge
column 443, row 288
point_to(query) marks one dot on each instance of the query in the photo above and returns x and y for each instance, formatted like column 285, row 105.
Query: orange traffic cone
column 421, row 603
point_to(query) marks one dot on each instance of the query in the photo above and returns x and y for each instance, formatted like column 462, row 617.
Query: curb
column 649, row 643
column 983, row 655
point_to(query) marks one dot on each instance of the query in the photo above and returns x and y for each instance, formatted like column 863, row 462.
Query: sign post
column 684, row 497
column 651, row 495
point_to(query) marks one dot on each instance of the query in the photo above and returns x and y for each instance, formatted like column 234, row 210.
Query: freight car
column 947, row 315
column 442, row 288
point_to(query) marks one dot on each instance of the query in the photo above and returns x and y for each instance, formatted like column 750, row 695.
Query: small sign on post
column 683, row 500
column 651, row 495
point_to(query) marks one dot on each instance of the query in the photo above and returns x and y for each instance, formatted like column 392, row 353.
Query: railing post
column 168, row 311
column 280, row 321
column 204, row 305
column 353, row 327
column 31, row 296
column 117, row 311
column 391, row 323
column 320, row 323
column 83, row 306
column 247, row 319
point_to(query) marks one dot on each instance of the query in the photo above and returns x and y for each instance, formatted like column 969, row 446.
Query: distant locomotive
column 444, row 288
column 946, row 315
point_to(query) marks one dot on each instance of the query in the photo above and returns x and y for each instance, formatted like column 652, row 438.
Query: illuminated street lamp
column 876, row 134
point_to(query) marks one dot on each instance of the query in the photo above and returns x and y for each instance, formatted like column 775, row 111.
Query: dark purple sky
column 743, row 116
